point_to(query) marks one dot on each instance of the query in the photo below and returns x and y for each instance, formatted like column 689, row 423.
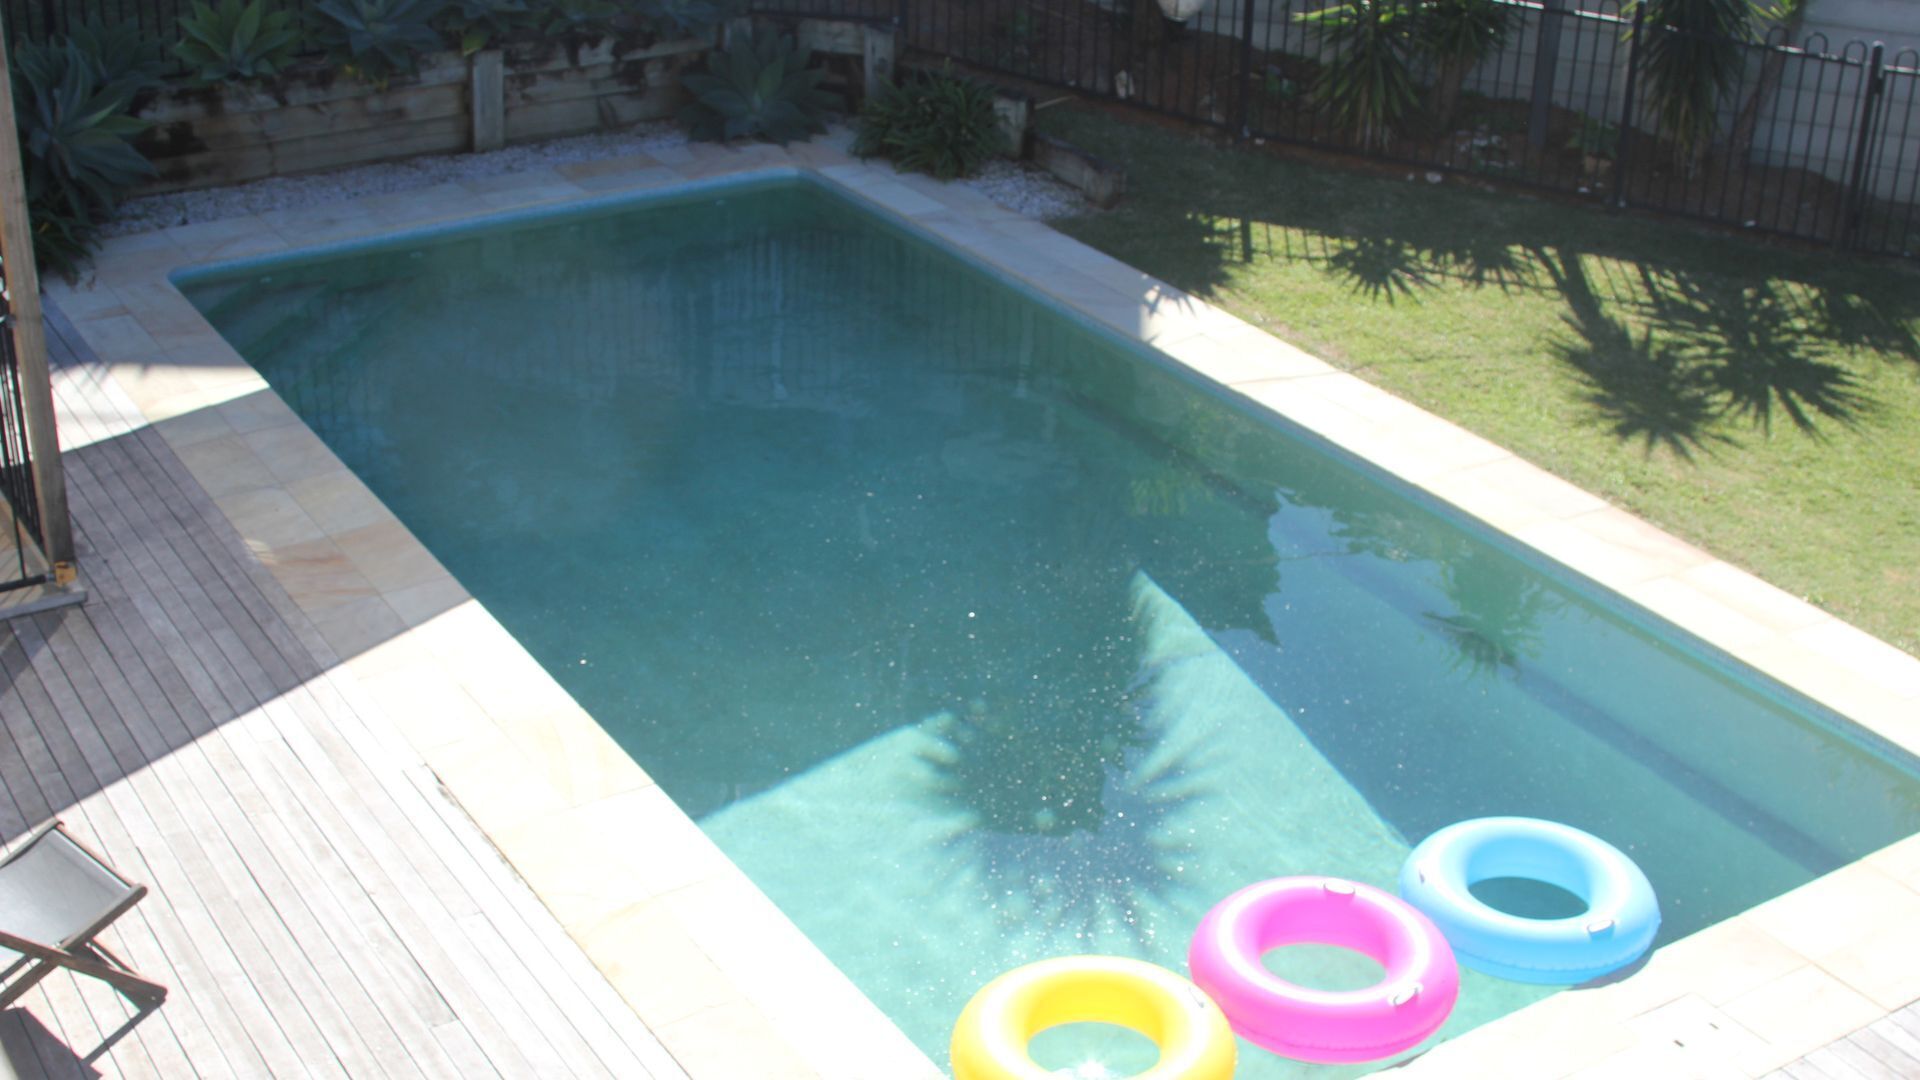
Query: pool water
column 975, row 635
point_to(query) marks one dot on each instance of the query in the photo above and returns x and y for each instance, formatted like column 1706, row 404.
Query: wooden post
column 30, row 342
column 1015, row 117
column 877, row 54
column 488, row 104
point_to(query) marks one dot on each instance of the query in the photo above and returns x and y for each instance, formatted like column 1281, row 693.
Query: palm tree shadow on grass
column 1672, row 355
column 1382, row 268
column 1755, row 352
column 1643, row 392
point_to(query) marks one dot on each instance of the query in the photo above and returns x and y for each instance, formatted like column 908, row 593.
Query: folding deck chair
column 55, row 895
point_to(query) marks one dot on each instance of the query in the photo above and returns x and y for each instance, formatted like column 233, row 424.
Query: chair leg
column 122, row 978
column 26, row 982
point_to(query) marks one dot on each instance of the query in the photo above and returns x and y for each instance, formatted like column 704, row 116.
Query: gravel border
column 1020, row 188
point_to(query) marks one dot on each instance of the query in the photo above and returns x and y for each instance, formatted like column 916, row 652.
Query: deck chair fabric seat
column 56, row 895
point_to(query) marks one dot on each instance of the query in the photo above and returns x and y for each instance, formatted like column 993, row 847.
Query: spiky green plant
column 120, row 52
column 936, row 122
column 75, row 144
column 1456, row 36
column 1692, row 53
column 1367, row 85
column 376, row 39
column 236, row 42
column 764, row 88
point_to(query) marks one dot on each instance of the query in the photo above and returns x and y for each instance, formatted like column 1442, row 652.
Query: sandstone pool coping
column 731, row 987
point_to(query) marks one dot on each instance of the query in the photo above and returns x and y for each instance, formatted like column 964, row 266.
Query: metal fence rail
column 1810, row 141
column 22, row 509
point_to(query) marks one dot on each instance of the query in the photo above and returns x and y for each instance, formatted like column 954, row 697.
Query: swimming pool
column 875, row 563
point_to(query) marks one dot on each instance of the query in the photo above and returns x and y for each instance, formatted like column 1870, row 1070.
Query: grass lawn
column 1759, row 400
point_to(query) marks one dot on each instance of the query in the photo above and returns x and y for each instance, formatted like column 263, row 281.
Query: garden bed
column 314, row 119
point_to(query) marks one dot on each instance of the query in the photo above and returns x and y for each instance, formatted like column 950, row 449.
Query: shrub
column 940, row 123
column 1595, row 139
column 687, row 18
column 762, row 89
column 1367, row 85
column 236, row 41
column 472, row 25
column 376, row 39
column 578, row 21
column 76, row 146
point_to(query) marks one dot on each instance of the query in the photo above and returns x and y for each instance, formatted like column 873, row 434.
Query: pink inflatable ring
column 1326, row 1026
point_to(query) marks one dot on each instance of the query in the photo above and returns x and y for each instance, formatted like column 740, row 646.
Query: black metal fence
column 1810, row 141
column 22, row 509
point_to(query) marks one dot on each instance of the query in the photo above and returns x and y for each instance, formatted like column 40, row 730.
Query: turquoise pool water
column 975, row 635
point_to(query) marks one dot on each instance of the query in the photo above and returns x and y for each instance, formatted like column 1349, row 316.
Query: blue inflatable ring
column 1618, row 926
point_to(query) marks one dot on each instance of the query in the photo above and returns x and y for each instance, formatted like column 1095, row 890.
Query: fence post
column 1623, row 163
column 1240, row 130
column 1873, row 84
column 487, row 103
column 878, row 46
column 1546, row 59
column 23, row 322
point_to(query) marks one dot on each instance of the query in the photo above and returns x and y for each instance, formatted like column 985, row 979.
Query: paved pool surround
column 727, row 982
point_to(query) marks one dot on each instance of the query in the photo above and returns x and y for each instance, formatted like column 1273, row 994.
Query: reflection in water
column 1497, row 613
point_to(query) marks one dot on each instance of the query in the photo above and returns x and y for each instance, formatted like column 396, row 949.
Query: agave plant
column 235, row 42
column 1367, row 85
column 120, row 52
column 762, row 89
column 472, row 25
column 687, row 18
column 376, row 39
column 937, row 123
column 76, row 145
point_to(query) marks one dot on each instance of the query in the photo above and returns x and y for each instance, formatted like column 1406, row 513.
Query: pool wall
column 730, row 986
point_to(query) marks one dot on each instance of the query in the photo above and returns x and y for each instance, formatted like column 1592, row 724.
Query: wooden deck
column 1887, row 1049
column 319, row 907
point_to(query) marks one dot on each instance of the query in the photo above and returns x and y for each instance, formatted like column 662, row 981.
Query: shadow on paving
column 184, row 629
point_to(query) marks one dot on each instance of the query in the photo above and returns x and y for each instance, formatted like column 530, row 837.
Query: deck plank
column 319, row 906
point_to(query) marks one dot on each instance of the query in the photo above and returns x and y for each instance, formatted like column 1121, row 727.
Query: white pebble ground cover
column 1017, row 187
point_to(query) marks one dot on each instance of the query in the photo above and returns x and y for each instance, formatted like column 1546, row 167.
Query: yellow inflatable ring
column 990, row 1039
